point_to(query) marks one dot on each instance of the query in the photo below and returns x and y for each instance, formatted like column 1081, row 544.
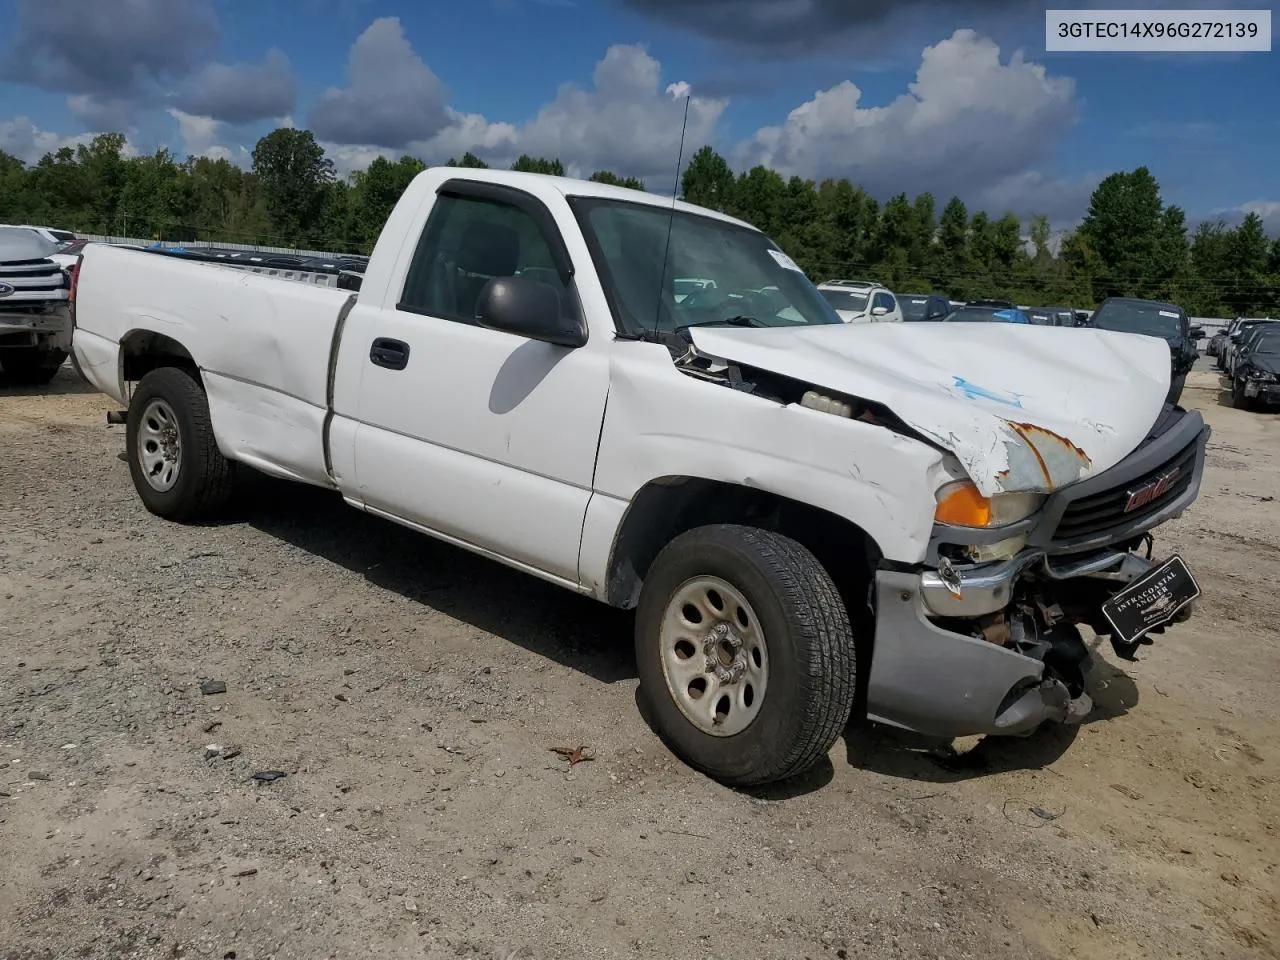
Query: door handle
column 392, row 354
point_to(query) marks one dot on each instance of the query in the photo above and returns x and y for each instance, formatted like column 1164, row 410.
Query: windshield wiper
column 740, row 320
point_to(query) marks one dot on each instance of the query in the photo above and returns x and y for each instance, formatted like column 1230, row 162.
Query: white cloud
column 206, row 137
column 628, row 122
column 1267, row 210
column 21, row 138
column 969, row 123
column 392, row 99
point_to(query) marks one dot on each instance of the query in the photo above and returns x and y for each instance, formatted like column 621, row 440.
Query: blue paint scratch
column 975, row 392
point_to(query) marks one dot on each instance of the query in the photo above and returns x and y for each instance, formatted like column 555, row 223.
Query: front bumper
column 1268, row 391
column 941, row 683
column 37, row 328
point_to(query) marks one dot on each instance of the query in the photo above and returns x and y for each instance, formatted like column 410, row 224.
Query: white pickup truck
column 814, row 521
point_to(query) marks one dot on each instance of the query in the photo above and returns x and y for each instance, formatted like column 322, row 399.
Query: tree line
column 1129, row 242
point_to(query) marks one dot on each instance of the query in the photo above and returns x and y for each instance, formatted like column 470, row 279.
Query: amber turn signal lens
column 961, row 505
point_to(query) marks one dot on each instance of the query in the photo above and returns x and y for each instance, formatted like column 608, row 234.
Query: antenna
column 671, row 220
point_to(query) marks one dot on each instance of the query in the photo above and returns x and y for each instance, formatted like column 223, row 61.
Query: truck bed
column 269, row 337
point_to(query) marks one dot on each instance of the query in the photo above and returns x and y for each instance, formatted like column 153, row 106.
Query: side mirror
column 528, row 308
column 879, row 311
column 1195, row 333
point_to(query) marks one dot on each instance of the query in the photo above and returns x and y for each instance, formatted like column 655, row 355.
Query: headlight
column 960, row 504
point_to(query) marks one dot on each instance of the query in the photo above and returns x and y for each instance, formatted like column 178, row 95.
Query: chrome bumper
column 979, row 590
column 936, row 682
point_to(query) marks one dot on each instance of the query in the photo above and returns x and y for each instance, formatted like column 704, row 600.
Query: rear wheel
column 30, row 367
column 175, row 463
column 745, row 654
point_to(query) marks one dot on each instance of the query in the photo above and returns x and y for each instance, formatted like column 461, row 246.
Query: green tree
column 1129, row 242
column 470, row 160
column 528, row 164
column 293, row 173
column 605, row 176
column 707, row 181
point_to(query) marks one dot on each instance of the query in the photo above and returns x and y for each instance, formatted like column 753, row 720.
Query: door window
column 467, row 242
column 883, row 300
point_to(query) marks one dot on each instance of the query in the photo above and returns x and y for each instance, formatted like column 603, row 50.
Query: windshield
column 913, row 308
column 985, row 315
column 21, row 243
column 1150, row 319
column 740, row 272
column 845, row 300
column 1268, row 344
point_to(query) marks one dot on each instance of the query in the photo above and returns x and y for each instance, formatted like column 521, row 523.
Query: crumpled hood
column 1265, row 362
column 1023, row 408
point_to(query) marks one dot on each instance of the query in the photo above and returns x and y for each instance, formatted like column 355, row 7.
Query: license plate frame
column 1150, row 601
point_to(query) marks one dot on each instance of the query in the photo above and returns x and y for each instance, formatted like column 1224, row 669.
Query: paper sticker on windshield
column 784, row 261
column 917, row 302
column 1169, row 313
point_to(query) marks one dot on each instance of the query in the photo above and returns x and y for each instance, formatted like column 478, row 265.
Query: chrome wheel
column 714, row 656
column 159, row 446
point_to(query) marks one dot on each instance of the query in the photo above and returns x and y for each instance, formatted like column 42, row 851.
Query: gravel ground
column 413, row 695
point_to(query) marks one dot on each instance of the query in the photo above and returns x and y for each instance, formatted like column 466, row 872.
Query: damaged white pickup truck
column 812, row 520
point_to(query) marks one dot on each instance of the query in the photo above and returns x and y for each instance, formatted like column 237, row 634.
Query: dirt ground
column 413, row 695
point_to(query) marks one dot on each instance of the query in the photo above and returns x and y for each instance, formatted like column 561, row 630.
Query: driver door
column 482, row 436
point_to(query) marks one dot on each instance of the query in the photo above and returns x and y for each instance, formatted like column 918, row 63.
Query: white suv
column 861, row 301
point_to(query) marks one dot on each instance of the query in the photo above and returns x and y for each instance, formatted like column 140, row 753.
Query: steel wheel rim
column 714, row 656
column 159, row 446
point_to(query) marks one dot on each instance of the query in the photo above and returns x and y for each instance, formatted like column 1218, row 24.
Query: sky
column 954, row 97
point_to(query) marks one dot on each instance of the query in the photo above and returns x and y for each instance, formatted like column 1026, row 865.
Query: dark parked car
column 1257, row 375
column 1235, row 338
column 923, row 306
column 973, row 313
column 1151, row 318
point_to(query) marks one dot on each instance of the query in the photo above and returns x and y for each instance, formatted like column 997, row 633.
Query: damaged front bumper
column 43, row 327
column 1015, row 668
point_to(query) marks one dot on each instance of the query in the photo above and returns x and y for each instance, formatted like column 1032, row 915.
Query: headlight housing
column 961, row 504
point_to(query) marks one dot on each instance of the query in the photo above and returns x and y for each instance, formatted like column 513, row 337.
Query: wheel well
column 142, row 351
column 665, row 508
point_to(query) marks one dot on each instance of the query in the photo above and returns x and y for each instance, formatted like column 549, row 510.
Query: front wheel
column 30, row 367
column 745, row 654
column 175, row 463
column 1238, row 398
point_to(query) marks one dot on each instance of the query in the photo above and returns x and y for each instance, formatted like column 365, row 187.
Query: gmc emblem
column 1150, row 491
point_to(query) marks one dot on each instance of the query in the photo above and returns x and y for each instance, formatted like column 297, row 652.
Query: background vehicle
column 1235, row 338
column 995, row 304
column 66, row 245
column 923, row 306
column 808, row 518
column 1257, row 369
column 1214, row 346
column 35, row 308
column 861, row 301
column 1151, row 318
column 1051, row 316
column 976, row 313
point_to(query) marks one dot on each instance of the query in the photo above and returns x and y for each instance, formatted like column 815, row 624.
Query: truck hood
column 1023, row 408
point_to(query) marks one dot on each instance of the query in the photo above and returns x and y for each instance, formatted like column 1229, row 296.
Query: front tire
column 745, row 654
column 29, row 367
column 175, row 463
column 1238, row 398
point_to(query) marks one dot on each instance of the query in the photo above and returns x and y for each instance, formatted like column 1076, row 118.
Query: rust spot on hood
column 1059, row 460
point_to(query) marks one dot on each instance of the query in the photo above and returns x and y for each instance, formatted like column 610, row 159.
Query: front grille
column 1100, row 512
